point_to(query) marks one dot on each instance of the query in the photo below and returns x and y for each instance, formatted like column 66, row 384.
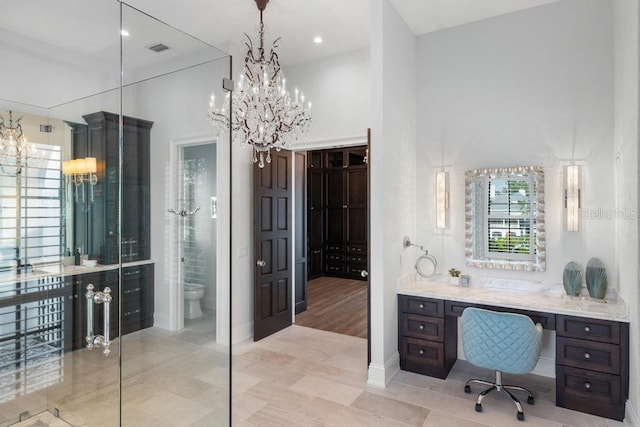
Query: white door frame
column 176, row 287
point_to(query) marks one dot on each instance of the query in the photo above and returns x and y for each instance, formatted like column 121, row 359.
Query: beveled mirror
column 504, row 218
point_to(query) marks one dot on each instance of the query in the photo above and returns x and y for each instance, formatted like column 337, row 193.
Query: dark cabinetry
column 426, row 338
column 137, row 303
column 96, row 224
column 592, row 366
column 592, row 355
column 337, row 204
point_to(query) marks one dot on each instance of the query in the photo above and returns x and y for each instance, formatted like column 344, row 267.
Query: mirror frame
column 475, row 222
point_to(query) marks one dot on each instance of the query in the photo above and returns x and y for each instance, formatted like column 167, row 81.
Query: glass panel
column 171, row 196
column 57, row 75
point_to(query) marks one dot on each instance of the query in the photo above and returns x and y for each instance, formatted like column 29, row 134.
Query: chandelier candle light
column 13, row 146
column 265, row 115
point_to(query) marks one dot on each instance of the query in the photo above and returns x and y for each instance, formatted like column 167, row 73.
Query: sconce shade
column 572, row 197
column 442, row 199
column 90, row 164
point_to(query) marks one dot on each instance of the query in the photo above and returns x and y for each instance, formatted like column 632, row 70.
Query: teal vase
column 596, row 277
column 572, row 279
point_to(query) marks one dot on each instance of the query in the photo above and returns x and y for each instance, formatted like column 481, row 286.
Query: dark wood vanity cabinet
column 427, row 339
column 592, row 355
column 96, row 224
column 592, row 365
column 337, row 204
column 137, row 303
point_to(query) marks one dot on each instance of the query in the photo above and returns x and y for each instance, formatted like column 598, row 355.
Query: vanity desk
column 592, row 337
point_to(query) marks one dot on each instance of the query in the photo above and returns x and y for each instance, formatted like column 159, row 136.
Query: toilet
column 193, row 293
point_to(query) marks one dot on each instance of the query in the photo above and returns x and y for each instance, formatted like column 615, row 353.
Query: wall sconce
column 572, row 197
column 442, row 199
column 80, row 171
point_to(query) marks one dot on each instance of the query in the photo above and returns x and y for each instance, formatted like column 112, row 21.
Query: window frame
column 477, row 228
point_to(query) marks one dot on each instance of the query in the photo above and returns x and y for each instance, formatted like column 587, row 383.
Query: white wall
column 339, row 88
column 177, row 104
column 393, row 179
column 533, row 87
column 625, row 141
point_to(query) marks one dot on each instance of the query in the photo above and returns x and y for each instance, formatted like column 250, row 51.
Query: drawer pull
column 587, row 355
column 421, row 305
column 421, row 327
column 587, row 385
column 421, row 352
column 587, row 329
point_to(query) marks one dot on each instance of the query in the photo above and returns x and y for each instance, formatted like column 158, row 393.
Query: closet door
column 336, row 213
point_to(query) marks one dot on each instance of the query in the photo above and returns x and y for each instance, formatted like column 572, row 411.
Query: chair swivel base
column 498, row 386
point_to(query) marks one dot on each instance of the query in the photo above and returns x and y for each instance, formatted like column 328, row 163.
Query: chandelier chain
column 265, row 114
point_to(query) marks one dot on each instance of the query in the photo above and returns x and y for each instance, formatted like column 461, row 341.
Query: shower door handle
column 103, row 298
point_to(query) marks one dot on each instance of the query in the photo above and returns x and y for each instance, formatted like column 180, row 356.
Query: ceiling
column 65, row 49
column 343, row 24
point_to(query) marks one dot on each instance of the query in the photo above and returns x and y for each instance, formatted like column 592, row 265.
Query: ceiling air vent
column 159, row 47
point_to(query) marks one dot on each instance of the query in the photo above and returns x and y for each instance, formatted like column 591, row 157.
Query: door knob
column 260, row 263
column 364, row 273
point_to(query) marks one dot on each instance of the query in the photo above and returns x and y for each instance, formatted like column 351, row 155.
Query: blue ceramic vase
column 596, row 277
column 572, row 279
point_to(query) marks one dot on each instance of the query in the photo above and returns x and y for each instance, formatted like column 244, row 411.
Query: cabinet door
column 335, row 206
column 357, row 205
column 315, row 206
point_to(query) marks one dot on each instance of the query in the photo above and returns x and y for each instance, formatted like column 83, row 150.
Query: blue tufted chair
column 503, row 342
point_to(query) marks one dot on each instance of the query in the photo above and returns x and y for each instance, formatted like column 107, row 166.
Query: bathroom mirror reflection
column 504, row 218
column 36, row 211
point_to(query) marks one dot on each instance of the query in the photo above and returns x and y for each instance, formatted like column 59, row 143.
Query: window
column 504, row 214
column 510, row 218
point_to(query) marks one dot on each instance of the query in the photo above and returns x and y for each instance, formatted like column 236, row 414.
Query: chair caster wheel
column 530, row 400
column 467, row 388
column 478, row 407
column 520, row 416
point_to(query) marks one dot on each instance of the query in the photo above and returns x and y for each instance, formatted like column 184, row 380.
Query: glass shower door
column 176, row 372
column 65, row 61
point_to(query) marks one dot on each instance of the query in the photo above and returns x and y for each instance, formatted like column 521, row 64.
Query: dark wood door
column 301, row 226
column 273, row 247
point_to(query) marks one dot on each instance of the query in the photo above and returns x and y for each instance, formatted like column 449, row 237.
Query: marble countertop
column 60, row 270
column 520, row 295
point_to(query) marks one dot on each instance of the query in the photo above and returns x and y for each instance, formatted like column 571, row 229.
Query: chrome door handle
column 364, row 273
column 103, row 298
column 260, row 263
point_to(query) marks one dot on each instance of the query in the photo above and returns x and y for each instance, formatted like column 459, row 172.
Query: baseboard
column 546, row 367
column 381, row 375
column 161, row 321
column 241, row 333
column 631, row 416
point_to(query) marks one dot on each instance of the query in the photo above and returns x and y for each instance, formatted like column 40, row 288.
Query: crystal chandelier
column 264, row 114
column 14, row 148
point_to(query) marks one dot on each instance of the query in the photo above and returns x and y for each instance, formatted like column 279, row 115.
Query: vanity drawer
column 547, row 320
column 596, row 356
column 362, row 259
column 417, row 305
column 591, row 392
column 422, row 352
column 423, row 327
column 589, row 329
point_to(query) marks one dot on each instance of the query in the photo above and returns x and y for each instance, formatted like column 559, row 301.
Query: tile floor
column 169, row 379
column 297, row 377
column 307, row 377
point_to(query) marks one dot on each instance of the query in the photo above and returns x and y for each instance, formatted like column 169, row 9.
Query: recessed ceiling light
column 317, row 39
column 124, row 33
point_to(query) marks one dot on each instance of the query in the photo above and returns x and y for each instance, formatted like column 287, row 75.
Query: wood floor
column 336, row 305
